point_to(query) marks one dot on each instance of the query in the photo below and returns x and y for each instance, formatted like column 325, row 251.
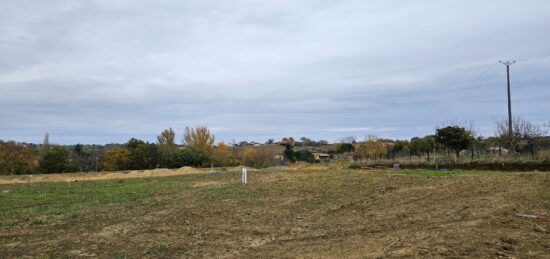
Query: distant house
column 321, row 156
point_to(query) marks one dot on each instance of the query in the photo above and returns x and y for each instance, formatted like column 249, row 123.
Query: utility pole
column 508, row 64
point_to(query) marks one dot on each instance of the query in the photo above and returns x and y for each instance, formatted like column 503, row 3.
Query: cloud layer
column 105, row 71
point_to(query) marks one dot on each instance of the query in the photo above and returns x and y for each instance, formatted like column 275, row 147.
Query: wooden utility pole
column 510, row 132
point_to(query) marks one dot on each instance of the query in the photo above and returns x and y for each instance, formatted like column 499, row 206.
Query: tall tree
column 428, row 145
column 166, row 146
column 222, row 154
column 45, row 144
column 360, row 150
column 289, row 146
column 167, row 138
column 381, row 149
column 198, row 137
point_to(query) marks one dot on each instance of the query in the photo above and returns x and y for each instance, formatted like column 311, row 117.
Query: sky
column 105, row 71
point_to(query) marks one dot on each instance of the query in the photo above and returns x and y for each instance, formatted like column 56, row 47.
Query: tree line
column 197, row 149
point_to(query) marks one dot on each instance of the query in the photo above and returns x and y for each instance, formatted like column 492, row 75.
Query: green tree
column 304, row 155
column 189, row 157
column 420, row 146
column 417, row 146
column 455, row 138
column 166, row 146
column 141, row 155
column 344, row 147
column 55, row 160
column 401, row 147
column 289, row 146
column 429, row 145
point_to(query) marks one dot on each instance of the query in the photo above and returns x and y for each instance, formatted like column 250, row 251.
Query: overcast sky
column 105, row 71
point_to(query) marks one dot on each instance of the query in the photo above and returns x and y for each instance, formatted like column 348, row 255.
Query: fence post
column 244, row 175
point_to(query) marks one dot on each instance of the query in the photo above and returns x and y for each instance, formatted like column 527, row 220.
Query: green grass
column 35, row 222
column 30, row 200
column 155, row 249
column 37, row 203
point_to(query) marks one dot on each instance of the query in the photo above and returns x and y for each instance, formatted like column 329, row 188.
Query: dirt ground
column 307, row 213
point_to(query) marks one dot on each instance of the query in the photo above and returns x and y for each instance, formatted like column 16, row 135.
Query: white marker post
column 244, row 175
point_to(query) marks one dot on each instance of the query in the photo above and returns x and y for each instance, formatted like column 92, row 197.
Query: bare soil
column 310, row 212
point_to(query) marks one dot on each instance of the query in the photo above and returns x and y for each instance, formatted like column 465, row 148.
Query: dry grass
column 301, row 211
column 74, row 177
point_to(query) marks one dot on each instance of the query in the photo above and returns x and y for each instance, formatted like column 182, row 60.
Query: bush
column 16, row 159
column 189, row 157
column 116, row 158
column 55, row 160
column 304, row 155
column 511, row 165
column 258, row 157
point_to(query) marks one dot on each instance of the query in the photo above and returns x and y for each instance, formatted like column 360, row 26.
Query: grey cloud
column 103, row 71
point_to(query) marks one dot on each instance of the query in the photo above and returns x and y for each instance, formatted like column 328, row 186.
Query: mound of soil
column 72, row 177
column 188, row 170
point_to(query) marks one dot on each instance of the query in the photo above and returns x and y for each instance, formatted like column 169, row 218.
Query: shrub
column 55, row 160
column 304, row 155
column 189, row 157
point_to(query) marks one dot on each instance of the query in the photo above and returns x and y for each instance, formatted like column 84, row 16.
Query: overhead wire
column 474, row 84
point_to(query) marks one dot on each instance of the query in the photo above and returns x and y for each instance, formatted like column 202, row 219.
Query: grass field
column 306, row 212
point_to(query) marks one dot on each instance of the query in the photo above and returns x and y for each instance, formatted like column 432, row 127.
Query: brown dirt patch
column 325, row 213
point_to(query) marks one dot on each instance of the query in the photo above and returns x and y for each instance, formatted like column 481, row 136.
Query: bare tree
column 348, row 140
column 525, row 134
column 288, row 141
column 45, row 144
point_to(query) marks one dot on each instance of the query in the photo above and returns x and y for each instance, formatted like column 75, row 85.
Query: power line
column 466, row 91
column 473, row 84
column 469, row 86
